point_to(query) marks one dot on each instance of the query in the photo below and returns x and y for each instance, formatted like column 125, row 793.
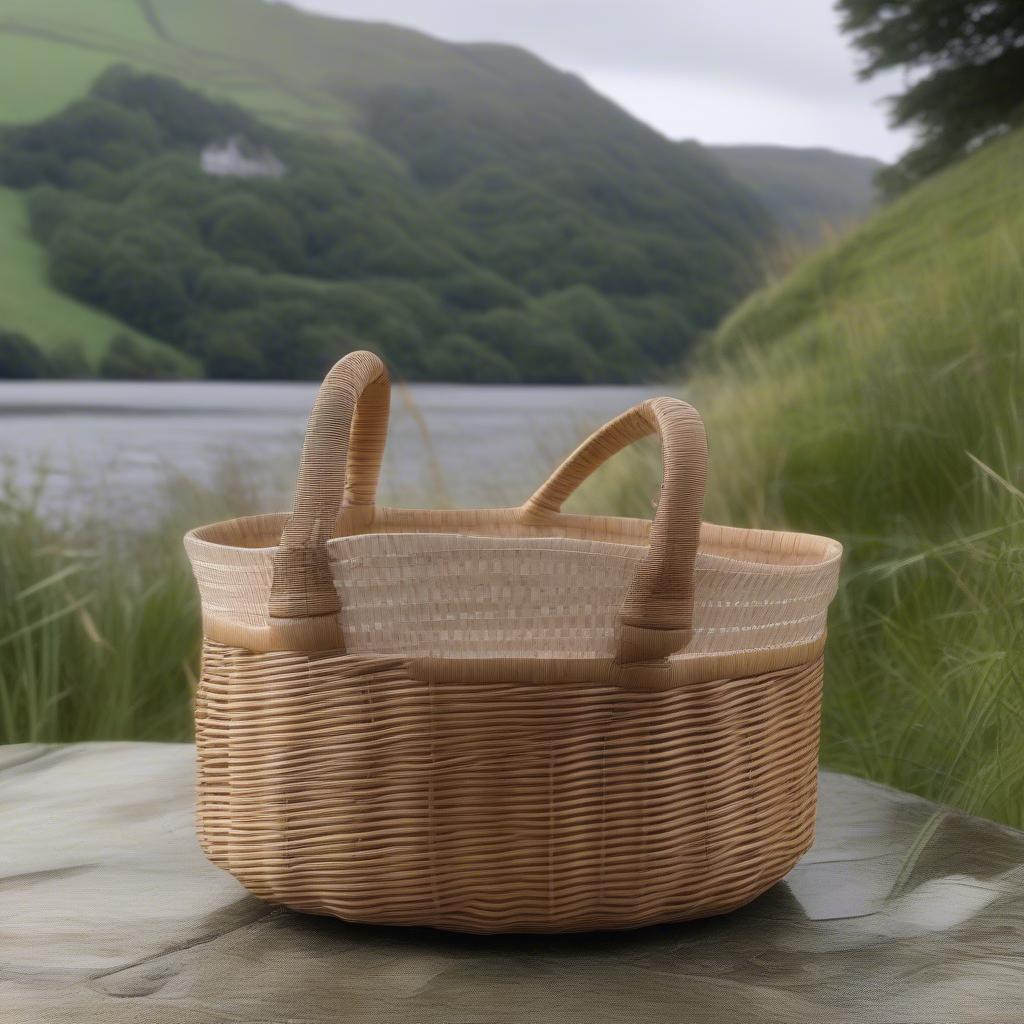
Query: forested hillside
column 813, row 194
column 467, row 210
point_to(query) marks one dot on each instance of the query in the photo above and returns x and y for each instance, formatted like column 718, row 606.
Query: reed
column 877, row 396
column 99, row 622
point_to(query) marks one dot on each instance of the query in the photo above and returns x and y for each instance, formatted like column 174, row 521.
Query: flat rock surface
column 903, row 912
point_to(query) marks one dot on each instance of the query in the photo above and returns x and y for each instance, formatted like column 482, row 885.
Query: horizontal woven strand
column 343, row 784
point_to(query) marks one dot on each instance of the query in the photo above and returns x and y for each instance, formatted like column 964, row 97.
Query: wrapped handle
column 341, row 457
column 656, row 617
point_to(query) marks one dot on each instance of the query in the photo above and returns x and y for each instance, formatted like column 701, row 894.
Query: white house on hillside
column 235, row 160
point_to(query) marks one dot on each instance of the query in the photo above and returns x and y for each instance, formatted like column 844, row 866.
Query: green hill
column 813, row 194
column 877, row 395
column 30, row 305
column 554, row 237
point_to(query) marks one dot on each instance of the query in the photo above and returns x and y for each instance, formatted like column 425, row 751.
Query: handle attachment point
column 656, row 617
column 340, row 467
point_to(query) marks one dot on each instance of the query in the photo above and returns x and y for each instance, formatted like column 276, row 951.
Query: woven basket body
column 507, row 719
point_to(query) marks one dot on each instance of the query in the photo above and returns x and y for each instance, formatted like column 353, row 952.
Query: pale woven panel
column 345, row 785
column 233, row 564
column 459, row 596
column 503, row 590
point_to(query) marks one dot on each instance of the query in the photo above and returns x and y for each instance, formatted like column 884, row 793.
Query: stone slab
column 904, row 912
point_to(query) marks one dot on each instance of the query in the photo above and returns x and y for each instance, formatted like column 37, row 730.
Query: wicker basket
column 511, row 719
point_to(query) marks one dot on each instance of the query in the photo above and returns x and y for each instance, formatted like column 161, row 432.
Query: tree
column 538, row 351
column 90, row 129
column 233, row 356
column 226, row 287
column 458, row 357
column 20, row 358
column 245, row 229
column 127, row 358
column 148, row 296
column 276, row 331
column 477, row 291
column 77, row 263
column 593, row 320
column 964, row 61
column 68, row 360
column 182, row 115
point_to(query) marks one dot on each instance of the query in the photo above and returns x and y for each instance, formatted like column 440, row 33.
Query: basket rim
column 818, row 551
column 582, row 546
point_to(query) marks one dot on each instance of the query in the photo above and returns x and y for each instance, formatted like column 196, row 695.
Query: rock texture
column 902, row 912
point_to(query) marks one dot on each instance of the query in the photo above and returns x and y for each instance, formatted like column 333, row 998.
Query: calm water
column 466, row 444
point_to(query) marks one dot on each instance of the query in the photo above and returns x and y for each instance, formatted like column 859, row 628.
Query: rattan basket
column 511, row 719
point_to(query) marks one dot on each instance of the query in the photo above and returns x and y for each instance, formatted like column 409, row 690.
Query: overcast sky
column 715, row 70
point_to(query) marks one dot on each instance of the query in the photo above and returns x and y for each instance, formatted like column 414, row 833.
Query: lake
column 456, row 444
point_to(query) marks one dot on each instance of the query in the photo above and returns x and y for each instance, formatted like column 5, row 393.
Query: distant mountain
column 811, row 193
column 488, row 215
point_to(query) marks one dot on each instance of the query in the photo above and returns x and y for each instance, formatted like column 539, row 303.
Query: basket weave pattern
column 506, row 719
column 508, row 807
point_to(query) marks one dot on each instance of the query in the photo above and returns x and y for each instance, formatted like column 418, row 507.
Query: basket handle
column 340, row 466
column 656, row 617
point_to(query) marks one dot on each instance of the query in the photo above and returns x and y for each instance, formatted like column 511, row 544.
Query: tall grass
column 99, row 623
column 877, row 395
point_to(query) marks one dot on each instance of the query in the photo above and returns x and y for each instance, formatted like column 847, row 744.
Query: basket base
column 515, row 924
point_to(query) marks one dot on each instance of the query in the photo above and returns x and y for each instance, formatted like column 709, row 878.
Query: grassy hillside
column 277, row 61
column 30, row 306
column 549, row 186
column 877, row 395
column 812, row 193
column 55, row 50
